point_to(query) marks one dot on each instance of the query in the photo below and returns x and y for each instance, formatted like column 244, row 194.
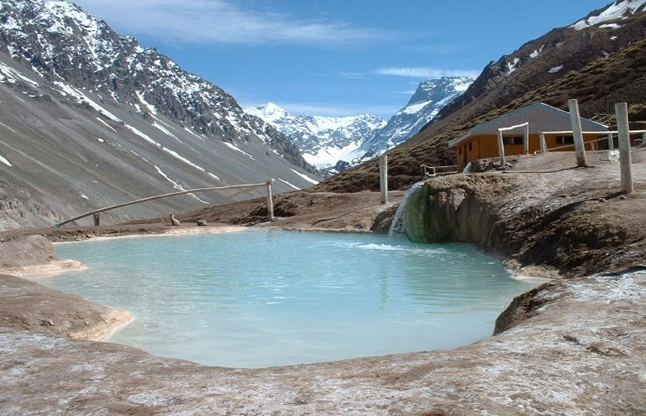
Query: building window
column 564, row 140
column 470, row 147
column 512, row 140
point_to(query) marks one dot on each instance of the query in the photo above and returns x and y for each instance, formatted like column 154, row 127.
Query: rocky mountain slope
column 89, row 119
column 322, row 140
column 599, row 60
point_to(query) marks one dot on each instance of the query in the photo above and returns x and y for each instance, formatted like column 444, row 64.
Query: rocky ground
column 576, row 345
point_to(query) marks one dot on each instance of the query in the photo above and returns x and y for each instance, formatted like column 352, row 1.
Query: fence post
column 501, row 149
column 543, row 143
column 97, row 219
column 383, row 178
column 577, row 131
column 625, row 159
column 270, row 200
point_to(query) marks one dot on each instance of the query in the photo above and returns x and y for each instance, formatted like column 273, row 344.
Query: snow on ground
column 82, row 98
column 151, row 108
column 555, row 69
column 7, row 127
column 328, row 156
column 415, row 108
column 289, row 184
column 307, row 178
column 165, row 131
column 512, row 66
column 615, row 11
column 5, row 161
column 176, row 185
column 183, row 159
column 193, row 133
column 106, row 124
column 165, row 149
column 237, row 149
column 8, row 74
column 143, row 136
column 537, row 52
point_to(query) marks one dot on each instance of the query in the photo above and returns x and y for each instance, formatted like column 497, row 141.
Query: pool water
column 260, row 298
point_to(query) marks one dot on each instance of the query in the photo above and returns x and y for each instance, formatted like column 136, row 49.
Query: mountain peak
column 322, row 140
column 269, row 112
column 428, row 90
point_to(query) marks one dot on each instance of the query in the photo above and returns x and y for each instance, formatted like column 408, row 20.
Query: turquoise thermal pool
column 259, row 298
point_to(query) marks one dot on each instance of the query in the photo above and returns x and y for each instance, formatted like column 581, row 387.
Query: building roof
column 541, row 118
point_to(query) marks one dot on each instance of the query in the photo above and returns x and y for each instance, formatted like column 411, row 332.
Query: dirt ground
column 576, row 345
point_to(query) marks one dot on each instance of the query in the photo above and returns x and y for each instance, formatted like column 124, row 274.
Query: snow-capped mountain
column 89, row 118
column 429, row 98
column 336, row 143
column 322, row 140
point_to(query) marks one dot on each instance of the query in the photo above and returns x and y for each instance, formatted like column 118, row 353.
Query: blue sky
column 334, row 57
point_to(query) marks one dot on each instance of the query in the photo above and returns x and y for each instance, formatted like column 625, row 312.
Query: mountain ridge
column 90, row 118
column 322, row 140
column 335, row 143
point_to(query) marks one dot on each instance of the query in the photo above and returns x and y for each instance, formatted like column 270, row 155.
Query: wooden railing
column 433, row 171
column 97, row 217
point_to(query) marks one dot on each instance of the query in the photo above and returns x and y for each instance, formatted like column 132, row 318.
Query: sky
column 334, row 57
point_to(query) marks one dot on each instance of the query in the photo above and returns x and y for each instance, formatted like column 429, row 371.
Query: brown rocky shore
column 575, row 345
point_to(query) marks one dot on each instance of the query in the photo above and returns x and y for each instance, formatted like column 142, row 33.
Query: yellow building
column 522, row 131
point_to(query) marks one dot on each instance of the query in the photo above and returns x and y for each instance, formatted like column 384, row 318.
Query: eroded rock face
column 572, row 220
column 28, row 305
column 26, row 251
column 455, row 208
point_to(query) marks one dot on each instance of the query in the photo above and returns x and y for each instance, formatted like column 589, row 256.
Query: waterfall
column 397, row 227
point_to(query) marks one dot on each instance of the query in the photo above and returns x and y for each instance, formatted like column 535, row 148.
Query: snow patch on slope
column 296, row 188
column 82, row 98
column 616, row 11
column 237, row 149
column 10, row 75
column 307, row 178
column 5, row 161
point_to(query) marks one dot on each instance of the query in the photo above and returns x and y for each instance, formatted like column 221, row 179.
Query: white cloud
column 222, row 21
column 426, row 73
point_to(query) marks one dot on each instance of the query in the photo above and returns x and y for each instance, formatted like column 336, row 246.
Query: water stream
column 397, row 227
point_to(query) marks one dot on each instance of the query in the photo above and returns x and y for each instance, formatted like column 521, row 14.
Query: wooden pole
column 97, row 219
column 543, row 143
column 625, row 159
column 501, row 149
column 270, row 200
column 611, row 142
column 526, row 139
column 383, row 178
column 577, row 131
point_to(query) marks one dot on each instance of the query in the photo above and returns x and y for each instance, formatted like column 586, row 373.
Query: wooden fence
column 97, row 212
